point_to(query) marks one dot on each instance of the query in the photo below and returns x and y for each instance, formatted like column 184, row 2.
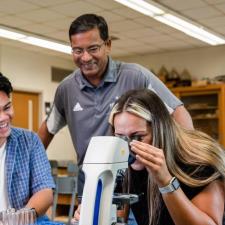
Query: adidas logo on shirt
column 77, row 107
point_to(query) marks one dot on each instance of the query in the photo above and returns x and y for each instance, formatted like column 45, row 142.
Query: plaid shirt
column 27, row 167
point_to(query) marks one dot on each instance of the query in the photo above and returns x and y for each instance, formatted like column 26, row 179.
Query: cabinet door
column 26, row 107
column 204, row 110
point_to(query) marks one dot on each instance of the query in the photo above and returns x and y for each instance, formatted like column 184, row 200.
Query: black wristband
column 36, row 214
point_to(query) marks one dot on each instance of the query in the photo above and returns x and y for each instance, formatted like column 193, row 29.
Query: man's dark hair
column 88, row 22
column 5, row 85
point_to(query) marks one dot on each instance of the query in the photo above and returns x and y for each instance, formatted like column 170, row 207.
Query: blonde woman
column 186, row 168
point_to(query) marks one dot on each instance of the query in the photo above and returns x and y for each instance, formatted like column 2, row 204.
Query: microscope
column 104, row 157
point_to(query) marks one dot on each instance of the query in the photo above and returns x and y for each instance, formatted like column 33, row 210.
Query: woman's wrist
column 165, row 181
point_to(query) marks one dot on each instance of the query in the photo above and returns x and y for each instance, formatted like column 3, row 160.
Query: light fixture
column 47, row 44
column 10, row 34
column 167, row 16
column 37, row 41
column 142, row 7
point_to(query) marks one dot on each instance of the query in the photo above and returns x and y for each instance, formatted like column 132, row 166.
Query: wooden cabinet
column 206, row 105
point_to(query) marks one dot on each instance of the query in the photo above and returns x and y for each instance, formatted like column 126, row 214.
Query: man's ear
column 108, row 45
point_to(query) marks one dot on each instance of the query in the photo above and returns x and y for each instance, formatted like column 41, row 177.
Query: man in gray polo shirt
column 84, row 99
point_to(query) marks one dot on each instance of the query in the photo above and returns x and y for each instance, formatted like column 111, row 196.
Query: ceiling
column 136, row 33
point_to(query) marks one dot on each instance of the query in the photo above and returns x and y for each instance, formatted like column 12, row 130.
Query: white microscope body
column 104, row 157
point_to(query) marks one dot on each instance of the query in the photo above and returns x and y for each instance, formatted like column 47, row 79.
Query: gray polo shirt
column 85, row 108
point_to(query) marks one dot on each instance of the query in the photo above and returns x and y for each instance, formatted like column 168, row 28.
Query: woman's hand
column 76, row 217
column 154, row 160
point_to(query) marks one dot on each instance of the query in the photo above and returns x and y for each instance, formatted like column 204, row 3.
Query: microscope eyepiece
column 132, row 155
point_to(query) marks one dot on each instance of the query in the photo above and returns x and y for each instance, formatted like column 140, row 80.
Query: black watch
column 36, row 214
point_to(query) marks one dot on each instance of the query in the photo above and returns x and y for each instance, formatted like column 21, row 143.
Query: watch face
column 175, row 184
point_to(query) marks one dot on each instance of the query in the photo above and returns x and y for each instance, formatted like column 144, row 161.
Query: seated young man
column 25, row 174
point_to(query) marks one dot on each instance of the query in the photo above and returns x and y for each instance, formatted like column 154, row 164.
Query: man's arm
column 45, row 136
column 42, row 183
column 182, row 116
column 41, row 201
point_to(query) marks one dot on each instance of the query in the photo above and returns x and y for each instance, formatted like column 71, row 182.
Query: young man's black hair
column 5, row 85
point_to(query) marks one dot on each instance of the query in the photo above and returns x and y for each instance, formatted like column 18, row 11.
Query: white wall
column 202, row 62
column 30, row 70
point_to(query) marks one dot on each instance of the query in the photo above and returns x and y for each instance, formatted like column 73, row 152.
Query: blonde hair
column 133, row 108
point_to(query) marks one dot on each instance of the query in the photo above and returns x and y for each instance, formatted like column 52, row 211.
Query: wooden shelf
column 206, row 105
